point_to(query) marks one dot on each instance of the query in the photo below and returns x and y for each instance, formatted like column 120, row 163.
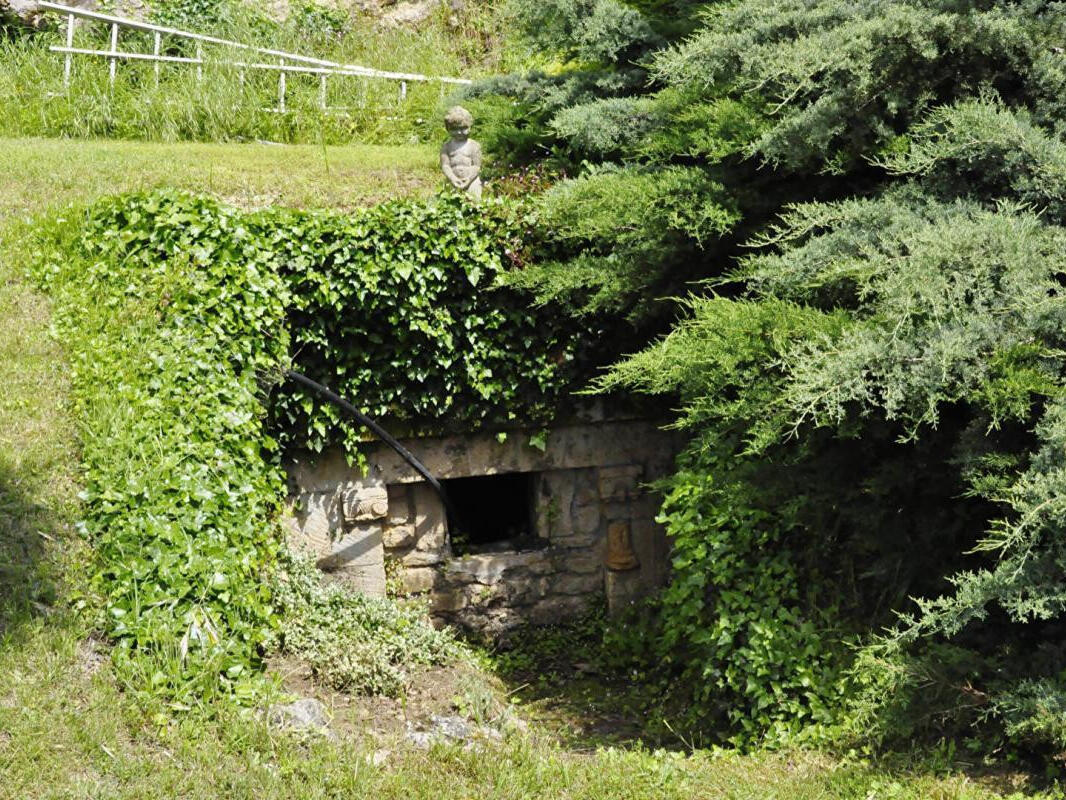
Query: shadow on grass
column 29, row 567
column 585, row 693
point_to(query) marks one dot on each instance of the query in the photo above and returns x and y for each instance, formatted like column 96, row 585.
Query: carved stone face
column 460, row 132
column 458, row 122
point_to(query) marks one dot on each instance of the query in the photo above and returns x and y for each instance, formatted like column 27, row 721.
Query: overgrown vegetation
column 863, row 206
column 167, row 331
column 177, row 311
column 398, row 306
column 229, row 104
column 352, row 642
column 69, row 729
column 870, row 195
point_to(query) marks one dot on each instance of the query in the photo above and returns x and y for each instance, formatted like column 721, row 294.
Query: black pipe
column 382, row 434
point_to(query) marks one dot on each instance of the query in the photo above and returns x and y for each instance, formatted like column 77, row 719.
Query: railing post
column 70, row 43
column 403, row 91
column 281, row 86
column 157, row 49
column 114, row 49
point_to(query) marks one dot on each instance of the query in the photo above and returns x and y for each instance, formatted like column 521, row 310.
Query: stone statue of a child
column 460, row 157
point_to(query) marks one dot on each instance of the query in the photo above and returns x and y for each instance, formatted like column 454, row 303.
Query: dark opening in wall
column 495, row 513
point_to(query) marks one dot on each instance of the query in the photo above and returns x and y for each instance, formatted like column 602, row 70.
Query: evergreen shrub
column 868, row 521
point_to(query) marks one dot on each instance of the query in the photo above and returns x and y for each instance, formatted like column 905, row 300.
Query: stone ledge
column 570, row 447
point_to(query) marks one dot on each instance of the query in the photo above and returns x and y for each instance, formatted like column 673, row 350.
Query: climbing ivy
column 170, row 310
column 180, row 314
column 397, row 308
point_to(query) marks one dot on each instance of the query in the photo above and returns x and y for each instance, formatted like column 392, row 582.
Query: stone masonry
column 589, row 489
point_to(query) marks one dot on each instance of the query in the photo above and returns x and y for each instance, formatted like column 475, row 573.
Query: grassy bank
column 41, row 174
column 66, row 731
column 222, row 104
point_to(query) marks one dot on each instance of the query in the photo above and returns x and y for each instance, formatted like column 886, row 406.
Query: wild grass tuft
column 223, row 106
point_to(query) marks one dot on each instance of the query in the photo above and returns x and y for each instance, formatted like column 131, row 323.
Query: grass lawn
column 67, row 730
column 37, row 174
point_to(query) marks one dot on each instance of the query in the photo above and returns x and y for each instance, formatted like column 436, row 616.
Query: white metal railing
column 287, row 63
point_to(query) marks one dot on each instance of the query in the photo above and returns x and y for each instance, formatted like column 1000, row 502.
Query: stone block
column 449, row 600
column 490, row 568
column 577, row 584
column 457, row 453
column 623, row 589
column 586, row 488
column 431, row 526
column 578, row 541
column 584, row 562
column 480, row 596
column 555, row 499
column 526, row 591
column 327, row 472
column 364, row 502
column 419, row 580
column 586, row 520
column 567, row 447
column 581, row 446
column 398, row 536
column 422, row 558
column 315, row 520
column 619, row 484
column 401, row 510
column 358, row 558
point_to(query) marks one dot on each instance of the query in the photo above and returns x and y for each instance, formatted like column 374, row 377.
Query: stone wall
column 594, row 519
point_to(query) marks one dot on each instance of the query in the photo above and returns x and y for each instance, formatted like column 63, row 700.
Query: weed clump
column 353, row 642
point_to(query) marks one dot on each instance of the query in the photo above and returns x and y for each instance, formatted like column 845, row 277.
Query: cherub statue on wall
column 460, row 157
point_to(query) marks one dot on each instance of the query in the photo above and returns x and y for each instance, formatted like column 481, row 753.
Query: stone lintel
column 569, row 447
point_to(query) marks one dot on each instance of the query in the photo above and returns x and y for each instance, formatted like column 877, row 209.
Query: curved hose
column 381, row 433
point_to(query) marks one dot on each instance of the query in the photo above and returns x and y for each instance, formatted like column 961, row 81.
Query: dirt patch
column 459, row 689
column 91, row 655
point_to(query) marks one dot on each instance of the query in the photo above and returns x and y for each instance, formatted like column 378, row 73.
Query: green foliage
column 397, row 307
column 593, row 51
column 167, row 328
column 744, row 627
column 841, row 79
column 190, row 15
column 177, row 308
column 592, row 31
column 353, row 642
column 977, row 147
column 606, row 128
column 881, row 372
column 635, row 229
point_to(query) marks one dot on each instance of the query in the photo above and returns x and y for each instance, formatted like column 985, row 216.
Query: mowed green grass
column 67, row 730
column 37, row 175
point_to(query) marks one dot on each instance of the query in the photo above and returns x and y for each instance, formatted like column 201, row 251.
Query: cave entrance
column 495, row 513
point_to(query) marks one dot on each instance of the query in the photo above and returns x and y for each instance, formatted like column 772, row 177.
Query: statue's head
column 458, row 121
